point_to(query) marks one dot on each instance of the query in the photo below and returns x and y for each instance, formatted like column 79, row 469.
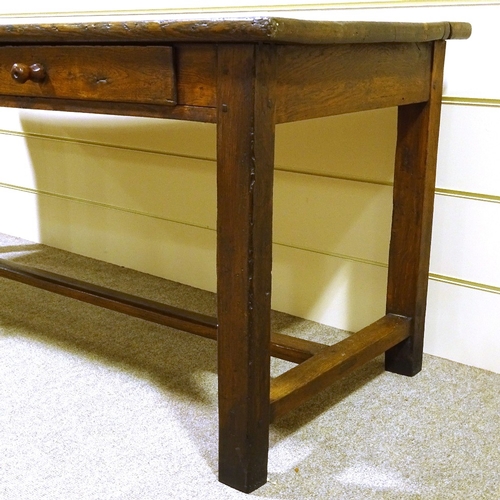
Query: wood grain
column 294, row 349
column 191, row 113
column 301, row 383
column 413, row 204
column 194, row 77
column 245, row 164
column 282, row 346
column 115, row 73
column 161, row 29
column 323, row 81
column 114, row 300
column 196, row 66
column 247, row 74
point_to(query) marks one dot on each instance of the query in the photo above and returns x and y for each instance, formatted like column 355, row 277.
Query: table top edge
column 229, row 29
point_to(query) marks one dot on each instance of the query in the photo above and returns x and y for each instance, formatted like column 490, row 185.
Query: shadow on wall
column 141, row 193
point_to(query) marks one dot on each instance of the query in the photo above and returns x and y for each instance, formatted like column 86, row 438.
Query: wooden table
column 247, row 75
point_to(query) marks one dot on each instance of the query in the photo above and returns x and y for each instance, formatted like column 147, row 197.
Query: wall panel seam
column 288, row 170
column 439, row 191
column 433, row 276
column 392, row 4
column 107, row 206
column 120, row 147
column 332, row 254
column 468, row 195
column 471, row 101
column 482, row 287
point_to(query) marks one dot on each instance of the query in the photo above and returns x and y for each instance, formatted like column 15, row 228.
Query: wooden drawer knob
column 21, row 73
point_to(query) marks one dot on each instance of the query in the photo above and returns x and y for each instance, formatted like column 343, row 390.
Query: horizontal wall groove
column 471, row 101
column 119, row 147
column 433, row 276
column 468, row 196
column 332, row 254
column 394, row 4
column 278, row 168
column 106, row 206
column 464, row 283
column 332, row 177
column 438, row 191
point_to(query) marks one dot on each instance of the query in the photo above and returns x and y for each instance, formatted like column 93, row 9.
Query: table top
column 166, row 29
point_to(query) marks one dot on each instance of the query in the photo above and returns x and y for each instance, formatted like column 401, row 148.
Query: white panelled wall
column 141, row 192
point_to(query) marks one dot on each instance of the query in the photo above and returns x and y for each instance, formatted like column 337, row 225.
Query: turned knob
column 21, row 73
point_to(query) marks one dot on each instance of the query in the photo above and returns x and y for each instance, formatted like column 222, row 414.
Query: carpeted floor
column 97, row 405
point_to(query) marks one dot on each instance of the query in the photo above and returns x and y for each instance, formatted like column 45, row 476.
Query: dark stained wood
column 414, row 180
column 244, row 225
column 21, row 73
column 138, row 307
column 247, row 74
column 328, row 80
column 302, row 382
column 284, row 347
column 195, row 68
column 192, row 113
column 110, row 73
column 294, row 349
column 164, row 29
column 38, row 73
column 197, row 74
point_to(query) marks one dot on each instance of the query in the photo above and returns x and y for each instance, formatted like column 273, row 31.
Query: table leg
column 414, row 182
column 245, row 158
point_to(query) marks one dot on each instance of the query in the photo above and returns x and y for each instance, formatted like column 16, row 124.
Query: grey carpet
column 97, row 405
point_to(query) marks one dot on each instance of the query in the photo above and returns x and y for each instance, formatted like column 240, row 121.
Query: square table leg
column 414, row 184
column 245, row 159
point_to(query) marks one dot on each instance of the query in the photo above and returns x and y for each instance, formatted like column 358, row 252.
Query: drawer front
column 105, row 73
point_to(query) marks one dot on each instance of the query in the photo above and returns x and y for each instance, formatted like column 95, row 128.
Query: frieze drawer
column 134, row 74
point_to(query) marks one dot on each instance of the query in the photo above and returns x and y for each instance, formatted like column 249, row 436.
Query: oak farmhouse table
column 247, row 75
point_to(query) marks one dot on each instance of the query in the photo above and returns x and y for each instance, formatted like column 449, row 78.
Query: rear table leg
column 414, row 182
